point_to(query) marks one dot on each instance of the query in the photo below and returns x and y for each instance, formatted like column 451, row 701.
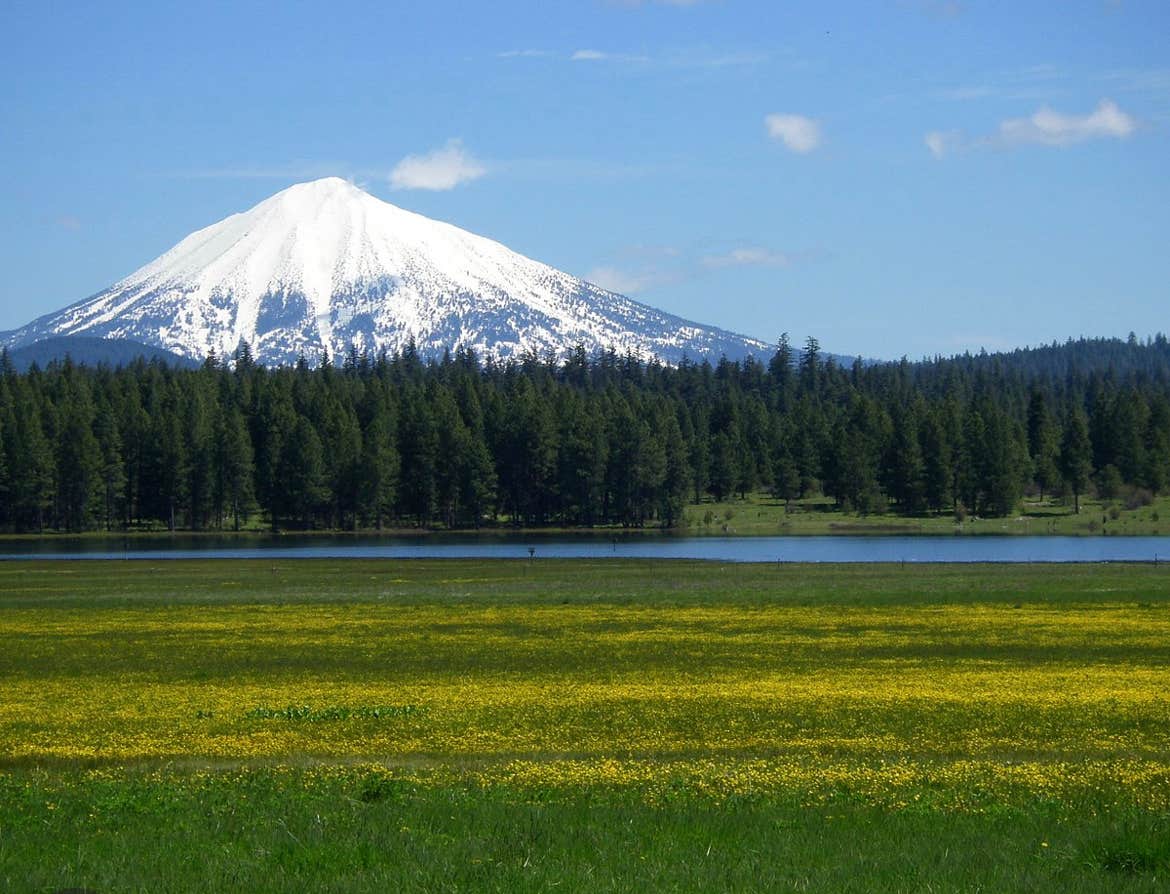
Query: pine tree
column 5, row 481
column 79, row 490
column 418, row 448
column 1043, row 442
column 810, row 367
column 721, row 478
column 32, row 470
column 651, row 471
column 907, row 468
column 1005, row 462
column 234, row 469
column 303, row 474
column 581, row 459
column 1076, row 455
column 342, row 441
column 453, row 454
column 111, row 470
column 937, row 463
column 274, row 423
column 780, row 369
column 699, row 453
column 198, row 433
column 380, row 467
column 1156, row 474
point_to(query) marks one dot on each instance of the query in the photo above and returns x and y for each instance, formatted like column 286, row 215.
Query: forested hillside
column 605, row 440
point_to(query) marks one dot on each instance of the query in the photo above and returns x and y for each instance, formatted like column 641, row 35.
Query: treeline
column 580, row 440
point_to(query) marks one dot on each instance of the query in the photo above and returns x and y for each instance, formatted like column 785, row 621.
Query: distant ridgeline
column 585, row 440
column 91, row 351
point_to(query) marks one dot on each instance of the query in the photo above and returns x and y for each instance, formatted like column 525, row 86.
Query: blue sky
column 904, row 177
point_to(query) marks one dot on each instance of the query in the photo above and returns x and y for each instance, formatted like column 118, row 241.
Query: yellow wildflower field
column 960, row 703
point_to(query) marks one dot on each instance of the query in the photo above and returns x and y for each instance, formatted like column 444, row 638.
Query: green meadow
column 761, row 514
column 470, row 725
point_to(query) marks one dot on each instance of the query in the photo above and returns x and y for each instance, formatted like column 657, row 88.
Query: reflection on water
column 649, row 546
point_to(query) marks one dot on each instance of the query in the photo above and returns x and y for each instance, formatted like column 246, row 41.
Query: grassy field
column 503, row 726
column 761, row 514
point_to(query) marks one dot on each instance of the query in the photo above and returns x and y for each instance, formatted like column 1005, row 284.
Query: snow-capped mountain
column 326, row 266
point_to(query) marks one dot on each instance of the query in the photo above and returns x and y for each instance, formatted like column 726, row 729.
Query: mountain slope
column 325, row 266
column 90, row 351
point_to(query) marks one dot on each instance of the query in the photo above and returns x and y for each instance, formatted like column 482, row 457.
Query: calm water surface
column 724, row 549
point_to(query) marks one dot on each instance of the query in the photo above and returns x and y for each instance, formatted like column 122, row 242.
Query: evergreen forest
column 365, row 442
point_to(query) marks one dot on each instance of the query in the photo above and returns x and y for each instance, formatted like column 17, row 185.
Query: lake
column 645, row 546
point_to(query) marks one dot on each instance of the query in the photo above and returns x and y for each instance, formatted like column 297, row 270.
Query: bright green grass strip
column 358, row 831
column 164, row 583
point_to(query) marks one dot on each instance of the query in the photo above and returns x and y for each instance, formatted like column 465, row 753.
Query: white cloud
column 940, row 142
column 798, row 133
column 748, row 257
column 1049, row 128
column 589, row 56
column 1044, row 127
column 440, row 169
column 621, row 281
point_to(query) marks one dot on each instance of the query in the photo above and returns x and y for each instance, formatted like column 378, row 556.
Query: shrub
column 1137, row 497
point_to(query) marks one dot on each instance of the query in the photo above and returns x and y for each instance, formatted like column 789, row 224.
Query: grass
column 761, row 514
column 527, row 725
column 273, row 831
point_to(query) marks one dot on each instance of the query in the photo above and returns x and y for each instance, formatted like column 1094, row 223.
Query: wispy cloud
column 1139, row 80
column 589, row 55
column 942, row 142
column 640, row 268
column 1034, row 82
column 525, row 54
column 1049, row 128
column 1044, row 127
column 623, row 282
column 637, row 269
column 798, row 133
column 748, row 257
column 438, row 170
column 685, row 58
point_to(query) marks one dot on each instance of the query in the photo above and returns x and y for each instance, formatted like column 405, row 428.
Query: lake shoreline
column 808, row 549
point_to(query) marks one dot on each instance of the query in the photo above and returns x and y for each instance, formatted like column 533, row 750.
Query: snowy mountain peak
column 325, row 265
